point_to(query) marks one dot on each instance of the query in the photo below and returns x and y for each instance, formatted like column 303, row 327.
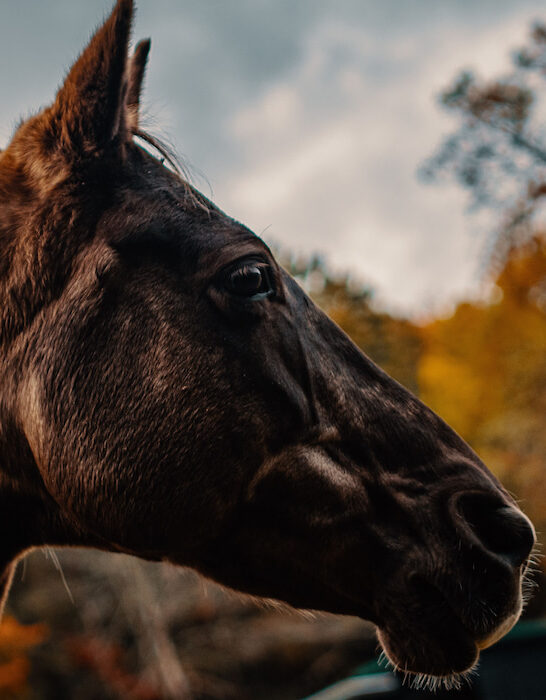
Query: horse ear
column 137, row 69
column 89, row 110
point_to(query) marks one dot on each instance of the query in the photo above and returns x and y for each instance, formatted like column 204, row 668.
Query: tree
column 498, row 152
column 484, row 371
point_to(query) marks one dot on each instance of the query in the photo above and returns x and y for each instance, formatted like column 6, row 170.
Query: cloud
column 329, row 151
column 308, row 118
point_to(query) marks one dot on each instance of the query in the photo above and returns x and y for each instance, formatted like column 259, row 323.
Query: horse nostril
column 502, row 529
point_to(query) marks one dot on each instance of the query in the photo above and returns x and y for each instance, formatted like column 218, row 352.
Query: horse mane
column 167, row 152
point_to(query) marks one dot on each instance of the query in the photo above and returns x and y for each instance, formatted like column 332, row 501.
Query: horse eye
column 251, row 280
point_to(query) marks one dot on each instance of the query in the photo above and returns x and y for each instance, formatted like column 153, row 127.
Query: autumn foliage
column 484, row 371
column 16, row 641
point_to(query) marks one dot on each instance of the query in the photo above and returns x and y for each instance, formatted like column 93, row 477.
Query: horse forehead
column 169, row 216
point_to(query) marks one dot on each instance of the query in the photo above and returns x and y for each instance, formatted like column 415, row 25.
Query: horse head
column 169, row 391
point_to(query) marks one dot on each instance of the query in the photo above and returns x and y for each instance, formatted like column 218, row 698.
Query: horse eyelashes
column 251, row 281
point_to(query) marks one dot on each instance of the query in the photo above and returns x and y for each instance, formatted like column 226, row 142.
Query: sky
column 306, row 120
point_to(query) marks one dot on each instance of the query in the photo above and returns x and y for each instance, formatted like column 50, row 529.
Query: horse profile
column 167, row 390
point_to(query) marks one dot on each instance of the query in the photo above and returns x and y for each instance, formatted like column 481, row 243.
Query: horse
column 167, row 390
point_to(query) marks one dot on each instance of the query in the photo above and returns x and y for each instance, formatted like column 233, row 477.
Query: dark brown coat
column 169, row 391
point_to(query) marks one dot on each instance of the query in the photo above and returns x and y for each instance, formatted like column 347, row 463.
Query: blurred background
column 394, row 155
